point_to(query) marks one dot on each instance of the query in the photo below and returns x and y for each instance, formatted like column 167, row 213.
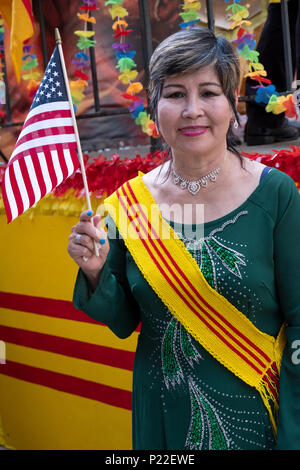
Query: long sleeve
column 112, row 302
column 287, row 271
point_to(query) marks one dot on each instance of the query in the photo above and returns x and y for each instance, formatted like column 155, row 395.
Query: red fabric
column 27, row 5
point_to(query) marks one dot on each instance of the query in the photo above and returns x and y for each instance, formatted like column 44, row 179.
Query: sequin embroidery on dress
column 205, row 423
column 210, row 426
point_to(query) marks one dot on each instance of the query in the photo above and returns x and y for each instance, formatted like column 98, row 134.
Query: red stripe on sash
column 199, row 306
column 237, row 332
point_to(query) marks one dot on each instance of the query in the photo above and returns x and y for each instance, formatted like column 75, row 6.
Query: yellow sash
column 225, row 332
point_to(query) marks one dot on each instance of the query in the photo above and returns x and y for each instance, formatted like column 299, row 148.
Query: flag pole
column 79, row 150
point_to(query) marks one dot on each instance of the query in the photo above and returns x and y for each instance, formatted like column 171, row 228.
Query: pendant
column 183, row 184
column 194, row 187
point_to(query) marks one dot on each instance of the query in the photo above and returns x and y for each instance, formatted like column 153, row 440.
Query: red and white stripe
column 44, row 156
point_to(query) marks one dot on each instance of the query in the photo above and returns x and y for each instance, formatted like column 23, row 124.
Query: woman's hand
column 81, row 246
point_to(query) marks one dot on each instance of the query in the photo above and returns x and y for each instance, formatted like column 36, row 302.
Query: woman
column 216, row 290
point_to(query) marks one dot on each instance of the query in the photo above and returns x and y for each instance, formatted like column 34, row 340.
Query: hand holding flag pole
column 79, row 150
column 48, row 149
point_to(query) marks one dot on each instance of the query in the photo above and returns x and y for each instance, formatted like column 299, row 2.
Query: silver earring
column 235, row 124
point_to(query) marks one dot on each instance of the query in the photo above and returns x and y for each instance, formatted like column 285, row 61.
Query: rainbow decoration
column 81, row 59
column 190, row 14
column 265, row 91
column 127, row 67
column 30, row 63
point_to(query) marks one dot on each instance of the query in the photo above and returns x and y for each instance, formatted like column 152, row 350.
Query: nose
column 193, row 108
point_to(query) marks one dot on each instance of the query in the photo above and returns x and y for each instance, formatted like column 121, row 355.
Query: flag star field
column 45, row 153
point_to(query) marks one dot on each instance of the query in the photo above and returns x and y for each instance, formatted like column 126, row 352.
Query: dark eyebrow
column 210, row 83
column 172, row 85
column 200, row 84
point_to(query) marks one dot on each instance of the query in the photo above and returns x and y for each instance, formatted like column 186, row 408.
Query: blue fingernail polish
column 102, row 241
column 89, row 212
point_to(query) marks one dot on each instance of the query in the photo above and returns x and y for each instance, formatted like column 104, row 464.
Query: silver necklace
column 194, row 186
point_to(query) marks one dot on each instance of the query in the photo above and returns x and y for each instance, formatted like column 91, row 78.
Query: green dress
column 183, row 398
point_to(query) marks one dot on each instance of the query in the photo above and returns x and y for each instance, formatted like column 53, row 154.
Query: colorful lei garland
column 127, row 68
column 190, row 14
column 265, row 91
column 245, row 43
column 30, row 63
column 81, row 59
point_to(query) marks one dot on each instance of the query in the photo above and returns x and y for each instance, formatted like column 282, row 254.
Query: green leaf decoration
column 217, row 437
column 142, row 118
column 230, row 258
column 113, row 2
column 249, row 54
column 207, row 267
column 235, row 8
column 125, row 63
column 205, row 429
column 195, row 435
column 190, row 15
column 83, row 43
column 30, row 65
column 170, row 365
column 189, row 351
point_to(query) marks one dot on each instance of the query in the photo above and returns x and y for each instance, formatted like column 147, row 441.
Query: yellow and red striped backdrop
column 67, row 380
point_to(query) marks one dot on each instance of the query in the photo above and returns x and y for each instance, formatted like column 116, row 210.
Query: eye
column 175, row 94
column 209, row 94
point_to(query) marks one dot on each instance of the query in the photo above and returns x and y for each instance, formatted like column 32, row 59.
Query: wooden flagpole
column 86, row 189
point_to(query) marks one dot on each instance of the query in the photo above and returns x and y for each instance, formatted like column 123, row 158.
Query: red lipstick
column 192, row 131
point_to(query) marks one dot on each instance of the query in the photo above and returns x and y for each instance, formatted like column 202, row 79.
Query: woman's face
column 193, row 113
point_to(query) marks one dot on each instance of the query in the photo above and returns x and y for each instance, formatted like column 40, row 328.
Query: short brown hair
column 187, row 51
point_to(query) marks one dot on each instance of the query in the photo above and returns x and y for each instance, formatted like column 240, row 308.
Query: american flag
column 45, row 152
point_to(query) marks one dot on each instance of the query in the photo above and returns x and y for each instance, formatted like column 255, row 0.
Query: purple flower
column 135, row 105
column 121, row 47
column 27, row 48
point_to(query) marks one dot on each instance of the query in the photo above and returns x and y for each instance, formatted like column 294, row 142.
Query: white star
column 53, row 89
column 57, row 83
column 48, row 95
column 59, row 93
column 41, row 92
column 46, row 86
column 53, row 64
column 55, row 74
column 51, row 79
